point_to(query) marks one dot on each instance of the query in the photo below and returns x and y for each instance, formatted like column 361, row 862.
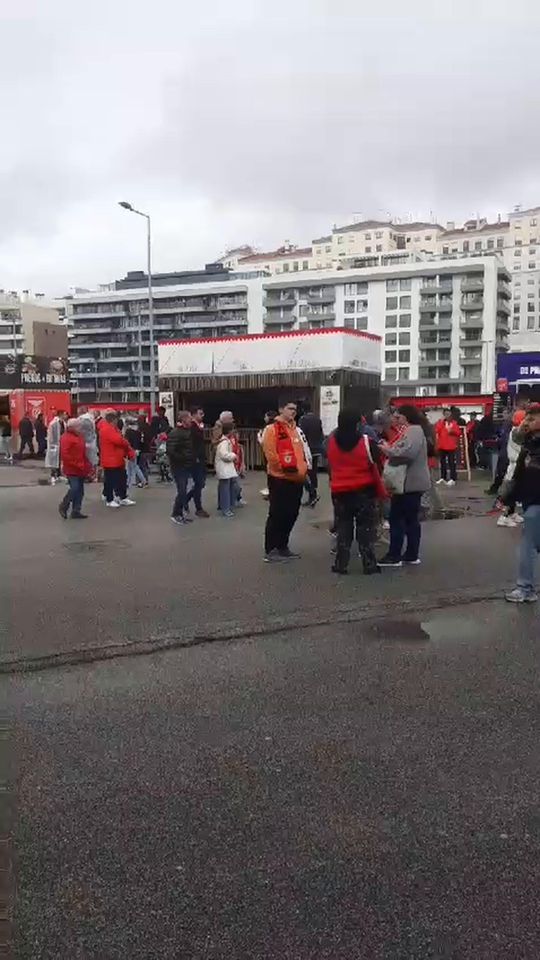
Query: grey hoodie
column 411, row 449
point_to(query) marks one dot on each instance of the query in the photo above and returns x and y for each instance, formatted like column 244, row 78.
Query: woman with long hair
column 355, row 482
column 410, row 451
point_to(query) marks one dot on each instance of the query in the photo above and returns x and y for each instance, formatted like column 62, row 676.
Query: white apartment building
column 372, row 243
column 28, row 325
column 109, row 340
column 441, row 320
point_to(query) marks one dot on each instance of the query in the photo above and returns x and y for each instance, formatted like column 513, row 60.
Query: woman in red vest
column 355, row 481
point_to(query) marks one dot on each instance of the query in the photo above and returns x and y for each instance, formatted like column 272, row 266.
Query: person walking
column 54, row 434
column 525, row 489
column 76, row 468
column 410, row 452
column 41, row 435
column 143, row 456
column 181, row 459
column 198, row 472
column 226, row 472
column 134, row 438
column 5, row 439
column 448, row 433
column 159, row 423
column 26, row 436
column 471, row 431
column 269, row 417
column 114, row 449
column 287, row 464
column 354, row 462
column 311, row 426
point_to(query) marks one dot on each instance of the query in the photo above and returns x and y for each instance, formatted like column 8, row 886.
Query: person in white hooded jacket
column 226, row 473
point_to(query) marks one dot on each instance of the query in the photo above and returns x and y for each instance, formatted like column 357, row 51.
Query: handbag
column 394, row 477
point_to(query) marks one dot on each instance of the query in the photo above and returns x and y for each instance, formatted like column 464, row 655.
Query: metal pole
column 151, row 322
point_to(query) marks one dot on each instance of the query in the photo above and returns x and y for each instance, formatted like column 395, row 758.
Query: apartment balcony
column 274, row 303
column 74, row 331
column 503, row 289
column 95, row 315
column 474, row 361
column 318, row 315
column 502, row 307
column 433, row 372
column 476, row 342
column 428, row 307
column 471, row 322
column 433, row 363
column 442, row 287
column 276, row 318
column 76, row 344
column 470, row 285
column 327, row 296
column 444, row 306
column 502, row 346
column 472, row 303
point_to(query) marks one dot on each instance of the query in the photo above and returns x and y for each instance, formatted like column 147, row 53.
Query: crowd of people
column 380, row 472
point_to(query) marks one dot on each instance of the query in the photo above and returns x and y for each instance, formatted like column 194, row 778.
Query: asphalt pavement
column 318, row 767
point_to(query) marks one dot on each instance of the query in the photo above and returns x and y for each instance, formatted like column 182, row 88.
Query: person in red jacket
column 75, row 467
column 113, row 452
column 355, row 481
column 448, row 433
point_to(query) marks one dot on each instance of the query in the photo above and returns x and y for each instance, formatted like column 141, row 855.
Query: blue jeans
column 226, row 494
column 134, row 473
column 74, row 495
column 181, row 478
column 404, row 523
column 529, row 547
column 199, row 482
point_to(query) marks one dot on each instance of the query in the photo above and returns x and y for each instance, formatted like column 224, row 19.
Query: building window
column 367, row 236
column 390, row 373
column 518, row 242
column 391, row 303
column 350, row 289
column 391, row 284
column 391, row 321
column 405, row 284
column 404, row 356
column 305, row 264
column 530, row 307
column 444, row 250
column 404, row 373
column 532, row 222
column 390, row 339
column 517, row 307
column 515, row 325
column 341, row 238
column 404, row 303
column 517, row 253
column 349, row 306
column 532, row 251
column 530, row 282
column 349, row 323
column 285, row 268
column 378, row 248
column 390, row 356
column 295, row 265
column 530, row 323
column 465, row 246
column 361, row 305
column 405, row 320
column 500, row 243
column 404, row 339
column 427, row 236
column 318, row 251
column 328, row 249
column 378, row 235
column 490, row 244
column 362, row 287
column 532, row 266
column 477, row 244
column 361, row 323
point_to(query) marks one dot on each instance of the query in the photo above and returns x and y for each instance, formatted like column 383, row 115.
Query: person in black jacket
column 26, row 435
column 525, row 489
column 41, row 435
column 145, row 448
column 311, row 426
column 181, row 458
column 199, row 461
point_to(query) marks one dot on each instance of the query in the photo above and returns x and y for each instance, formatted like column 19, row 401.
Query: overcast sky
column 243, row 121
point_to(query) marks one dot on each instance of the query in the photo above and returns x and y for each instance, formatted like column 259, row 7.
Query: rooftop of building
column 476, row 226
column 282, row 253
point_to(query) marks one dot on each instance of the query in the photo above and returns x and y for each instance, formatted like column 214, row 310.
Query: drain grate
column 96, row 548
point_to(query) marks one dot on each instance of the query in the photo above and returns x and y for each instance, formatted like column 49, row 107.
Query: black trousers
column 284, row 506
column 355, row 509
column 448, row 464
column 114, row 483
column 312, row 479
column 26, row 442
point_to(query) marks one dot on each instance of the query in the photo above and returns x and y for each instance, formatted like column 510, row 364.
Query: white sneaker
column 438, row 482
column 113, row 504
column 126, row 502
column 104, row 498
column 517, row 518
column 450, row 483
column 505, row 521
column 53, row 481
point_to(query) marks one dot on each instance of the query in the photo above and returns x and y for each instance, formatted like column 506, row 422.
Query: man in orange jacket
column 113, row 452
column 448, row 433
column 287, row 466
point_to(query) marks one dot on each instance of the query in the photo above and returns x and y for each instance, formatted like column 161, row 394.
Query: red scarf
column 285, row 448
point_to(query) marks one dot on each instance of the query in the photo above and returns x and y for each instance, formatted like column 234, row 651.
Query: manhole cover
column 96, row 548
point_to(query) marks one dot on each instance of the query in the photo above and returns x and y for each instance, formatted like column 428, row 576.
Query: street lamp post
column 127, row 206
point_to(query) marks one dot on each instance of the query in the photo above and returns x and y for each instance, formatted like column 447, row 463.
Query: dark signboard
column 33, row 373
column 514, row 367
